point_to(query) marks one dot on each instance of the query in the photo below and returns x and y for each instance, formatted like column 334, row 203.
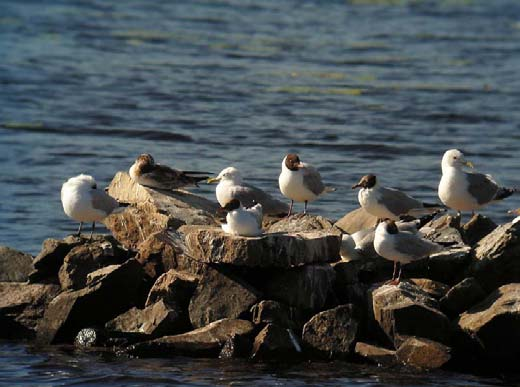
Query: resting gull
column 300, row 182
column 243, row 221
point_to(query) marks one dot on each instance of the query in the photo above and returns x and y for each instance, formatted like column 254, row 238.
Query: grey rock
column 15, row 266
column 462, row 296
column 298, row 223
column 375, row 354
column 477, row 228
column 174, row 288
column 356, row 220
column 423, row 354
column 276, row 343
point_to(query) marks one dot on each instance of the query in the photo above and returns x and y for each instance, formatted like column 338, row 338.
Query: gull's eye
column 94, row 186
column 454, row 157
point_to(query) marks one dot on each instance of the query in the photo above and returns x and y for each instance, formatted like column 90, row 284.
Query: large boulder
column 15, row 266
column 406, row 310
column 462, row 296
column 274, row 312
column 206, row 341
column 220, row 294
column 495, row 322
column 174, row 288
column 444, row 230
column 154, row 210
column 496, row 257
column 22, row 306
column 301, row 223
column 374, row 354
column 334, row 332
column 212, row 245
column 106, row 296
column 435, row 289
column 356, row 220
column 423, row 354
column 276, row 343
column 477, row 228
column 347, row 285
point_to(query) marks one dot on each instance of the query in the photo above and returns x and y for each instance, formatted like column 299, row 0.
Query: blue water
column 355, row 87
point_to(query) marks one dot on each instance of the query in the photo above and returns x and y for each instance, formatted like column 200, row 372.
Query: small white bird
column 231, row 186
column 147, row 173
column 390, row 203
column 401, row 247
column 83, row 202
column 300, row 182
column 243, row 221
column 467, row 191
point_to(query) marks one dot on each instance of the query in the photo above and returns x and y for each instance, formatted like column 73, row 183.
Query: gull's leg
column 399, row 276
column 395, row 271
column 305, row 208
column 290, row 208
column 92, row 231
column 79, row 229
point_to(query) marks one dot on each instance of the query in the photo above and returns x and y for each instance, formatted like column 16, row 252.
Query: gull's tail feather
column 504, row 192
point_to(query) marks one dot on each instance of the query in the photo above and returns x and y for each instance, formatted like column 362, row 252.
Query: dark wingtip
column 505, row 193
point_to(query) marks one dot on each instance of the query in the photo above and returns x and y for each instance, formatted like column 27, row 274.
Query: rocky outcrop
column 444, row 230
column 274, row 312
column 333, row 333
column 356, row 220
column 22, row 306
column 154, row 210
column 220, row 295
column 206, row 341
column 212, row 245
column 276, row 343
column 174, row 288
column 347, row 286
column 435, row 289
column 374, row 354
column 15, row 266
column 423, row 354
column 299, row 223
column 462, row 296
column 477, row 228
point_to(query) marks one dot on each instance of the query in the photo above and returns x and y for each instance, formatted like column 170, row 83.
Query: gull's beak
column 356, row 186
column 468, row 164
column 514, row 212
column 300, row 165
column 213, row 180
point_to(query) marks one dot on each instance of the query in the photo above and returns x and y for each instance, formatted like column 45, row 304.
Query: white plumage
column 243, row 221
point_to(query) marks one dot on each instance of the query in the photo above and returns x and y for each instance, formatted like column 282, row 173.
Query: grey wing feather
column 414, row 246
column 257, row 212
column 482, row 187
column 250, row 195
column 312, row 180
column 398, row 202
column 164, row 177
column 104, row 202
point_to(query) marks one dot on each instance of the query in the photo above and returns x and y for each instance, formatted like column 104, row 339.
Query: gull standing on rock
column 83, row 202
column 401, row 246
column 390, row 203
column 147, row 173
column 231, row 186
column 467, row 191
column 300, row 182
column 243, row 221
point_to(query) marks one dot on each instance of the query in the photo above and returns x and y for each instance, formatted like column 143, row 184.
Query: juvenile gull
column 467, row 191
column 300, row 182
column 231, row 186
column 243, row 221
column 149, row 174
column 83, row 202
column 401, row 247
column 390, row 203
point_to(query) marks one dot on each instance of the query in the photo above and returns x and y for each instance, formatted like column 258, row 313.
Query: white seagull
column 243, row 221
column 389, row 203
column 467, row 191
column 231, row 186
column 300, row 182
column 401, row 247
column 147, row 173
column 84, row 202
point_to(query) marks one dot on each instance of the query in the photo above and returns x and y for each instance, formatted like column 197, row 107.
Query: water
column 355, row 87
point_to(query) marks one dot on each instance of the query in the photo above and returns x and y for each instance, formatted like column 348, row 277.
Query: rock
column 274, row 312
column 49, row 260
column 405, row 310
column 347, row 285
column 236, row 347
column 154, row 210
column 22, row 306
column 212, row 245
column 494, row 323
column 333, row 333
column 276, row 343
column 89, row 337
column 423, row 354
column 356, row 220
column 103, row 299
column 462, row 296
column 206, row 341
column 477, row 228
column 299, row 223
column 496, row 257
column 156, row 320
column 174, row 288
column 305, row 287
column 374, row 354
column 444, row 230
column 15, row 266
column 433, row 288
column 220, row 295
column 86, row 258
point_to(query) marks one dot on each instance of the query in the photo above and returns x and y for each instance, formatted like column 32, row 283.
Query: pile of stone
column 169, row 282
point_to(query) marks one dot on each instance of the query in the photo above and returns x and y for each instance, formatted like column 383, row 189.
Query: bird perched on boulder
column 243, row 221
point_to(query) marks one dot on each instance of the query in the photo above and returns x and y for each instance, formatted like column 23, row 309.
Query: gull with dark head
column 401, row 246
column 243, row 221
column 147, row 173
column 231, row 186
column 389, row 203
column 84, row 202
column 461, row 190
column 300, row 182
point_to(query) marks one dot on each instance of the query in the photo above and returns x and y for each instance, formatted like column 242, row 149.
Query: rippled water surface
column 381, row 86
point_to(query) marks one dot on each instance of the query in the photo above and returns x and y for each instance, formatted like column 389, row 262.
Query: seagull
column 300, row 182
column 147, row 173
column 467, row 191
column 83, row 202
column 390, row 203
column 243, row 221
column 231, row 186
column 401, row 246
